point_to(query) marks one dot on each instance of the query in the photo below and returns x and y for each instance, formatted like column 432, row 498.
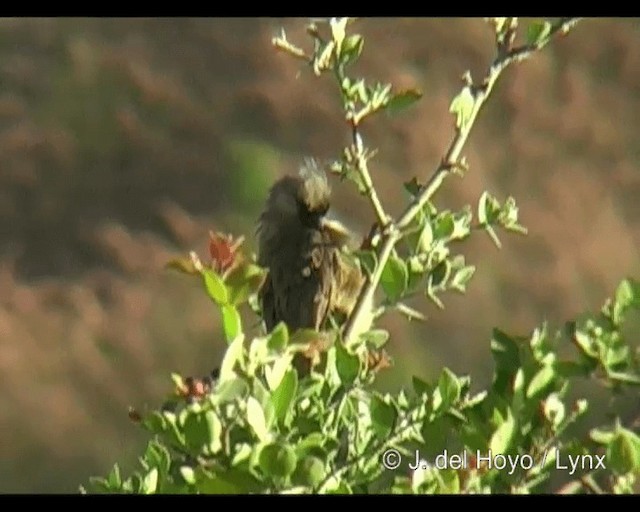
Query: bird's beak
column 338, row 233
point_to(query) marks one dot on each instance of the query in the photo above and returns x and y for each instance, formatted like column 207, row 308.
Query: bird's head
column 303, row 199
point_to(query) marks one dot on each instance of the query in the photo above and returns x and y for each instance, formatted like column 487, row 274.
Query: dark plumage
column 308, row 278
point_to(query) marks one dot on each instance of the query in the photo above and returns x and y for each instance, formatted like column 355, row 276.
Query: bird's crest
column 316, row 187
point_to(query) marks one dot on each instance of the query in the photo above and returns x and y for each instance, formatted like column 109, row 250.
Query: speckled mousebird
column 309, row 277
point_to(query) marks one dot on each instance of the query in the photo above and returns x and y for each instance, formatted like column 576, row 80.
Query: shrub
column 258, row 426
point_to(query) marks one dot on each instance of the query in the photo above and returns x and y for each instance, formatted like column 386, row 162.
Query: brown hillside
column 124, row 141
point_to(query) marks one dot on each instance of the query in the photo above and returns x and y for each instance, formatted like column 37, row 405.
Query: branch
column 403, row 427
column 390, row 235
column 363, row 171
column 354, row 118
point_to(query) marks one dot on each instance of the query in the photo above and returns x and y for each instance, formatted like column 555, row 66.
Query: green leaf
column 422, row 478
column 215, row 287
column 569, row 369
column 188, row 474
column 258, row 352
column 338, row 30
column 244, row 280
column 323, row 61
column 233, row 356
column 541, row 381
column 113, row 479
column 282, row 396
column 312, row 444
column 196, row 431
column 310, row 472
column 461, row 224
column 623, row 453
column 279, row 337
column 413, row 187
column 155, row 422
column 376, row 337
column 447, row 392
column 420, row 386
column 627, row 295
column 347, row 365
column 409, row 313
column 245, row 454
column 276, row 372
column 554, row 409
column 461, row 278
column 601, row 436
column 504, row 435
column 380, row 96
column 231, row 481
column 383, row 416
column 278, row 460
column 134, row 484
column 444, row 226
column 100, row 485
column 335, row 485
column 472, row 401
column 150, row 482
column 488, row 209
column 395, row 278
column 177, row 380
column 352, row 48
column 352, row 175
column 230, row 390
column 263, row 396
column 449, row 481
column 403, row 100
column 218, row 485
column 256, row 419
column 368, row 261
column 584, row 341
column 580, row 407
column 462, row 107
column 499, row 24
column 624, row 377
column 231, row 322
column 508, row 217
column 435, row 433
column 426, row 237
column 214, row 432
column 173, row 432
column 505, row 351
column 439, row 276
column 538, row 31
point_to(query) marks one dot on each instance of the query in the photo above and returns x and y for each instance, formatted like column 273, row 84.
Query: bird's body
column 308, row 276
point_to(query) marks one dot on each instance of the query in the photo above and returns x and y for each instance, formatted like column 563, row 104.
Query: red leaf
column 223, row 250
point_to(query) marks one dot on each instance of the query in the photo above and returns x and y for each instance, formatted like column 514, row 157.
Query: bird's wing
column 268, row 302
column 348, row 284
column 321, row 282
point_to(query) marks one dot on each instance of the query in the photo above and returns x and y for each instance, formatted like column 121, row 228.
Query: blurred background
column 124, row 141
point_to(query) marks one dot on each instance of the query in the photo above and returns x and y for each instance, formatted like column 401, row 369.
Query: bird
column 309, row 278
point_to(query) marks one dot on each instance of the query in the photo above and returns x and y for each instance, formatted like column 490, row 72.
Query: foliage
column 258, row 426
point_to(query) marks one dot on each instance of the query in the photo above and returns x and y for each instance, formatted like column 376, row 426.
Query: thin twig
column 362, row 168
column 589, row 483
column 365, row 176
column 390, row 236
column 381, row 446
